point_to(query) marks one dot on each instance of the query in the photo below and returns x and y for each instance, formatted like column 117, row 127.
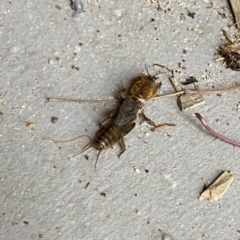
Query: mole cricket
column 230, row 53
column 120, row 121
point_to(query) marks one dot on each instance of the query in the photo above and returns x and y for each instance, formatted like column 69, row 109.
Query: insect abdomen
column 107, row 138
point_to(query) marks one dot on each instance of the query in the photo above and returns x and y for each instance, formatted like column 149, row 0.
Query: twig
column 211, row 131
column 79, row 101
column 207, row 92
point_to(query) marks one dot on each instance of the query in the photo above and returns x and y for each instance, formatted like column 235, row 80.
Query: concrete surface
column 155, row 185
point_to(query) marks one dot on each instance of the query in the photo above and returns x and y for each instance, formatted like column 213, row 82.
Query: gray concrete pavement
column 43, row 194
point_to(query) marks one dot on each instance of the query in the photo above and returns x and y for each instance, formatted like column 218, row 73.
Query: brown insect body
column 121, row 121
column 143, row 87
column 231, row 53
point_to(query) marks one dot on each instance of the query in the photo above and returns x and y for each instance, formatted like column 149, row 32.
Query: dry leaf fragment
column 217, row 189
column 31, row 125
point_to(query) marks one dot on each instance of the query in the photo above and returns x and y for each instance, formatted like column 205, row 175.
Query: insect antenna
column 68, row 141
column 145, row 65
column 171, row 72
column 89, row 145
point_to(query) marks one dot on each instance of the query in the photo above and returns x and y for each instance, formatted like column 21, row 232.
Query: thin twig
column 168, row 95
column 211, row 131
column 207, row 92
column 80, row 101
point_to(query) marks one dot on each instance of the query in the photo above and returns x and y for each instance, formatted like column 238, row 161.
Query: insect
column 230, row 53
column 119, row 122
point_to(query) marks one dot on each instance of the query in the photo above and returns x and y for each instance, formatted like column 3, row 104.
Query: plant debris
column 190, row 80
column 77, row 6
column 230, row 53
column 31, row 125
column 215, row 134
column 54, row 119
column 235, row 4
column 218, row 188
column 87, row 185
column 185, row 101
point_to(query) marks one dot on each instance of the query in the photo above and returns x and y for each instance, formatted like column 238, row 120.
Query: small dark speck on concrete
column 54, row 166
column 1, row 113
column 58, row 7
column 86, row 157
column 146, row 170
column 135, row 194
column 26, row 222
column 191, row 14
column 54, row 119
column 40, row 235
column 87, row 185
column 103, row 194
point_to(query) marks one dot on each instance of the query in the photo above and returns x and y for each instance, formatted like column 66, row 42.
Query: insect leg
column 95, row 165
column 122, row 145
column 146, row 119
column 156, row 90
column 120, row 95
column 110, row 115
column 126, row 130
column 162, row 126
column 226, row 35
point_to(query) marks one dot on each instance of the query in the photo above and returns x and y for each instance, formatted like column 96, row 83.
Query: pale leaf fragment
column 31, row 125
column 218, row 188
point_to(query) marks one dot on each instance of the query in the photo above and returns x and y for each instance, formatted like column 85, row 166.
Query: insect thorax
column 127, row 112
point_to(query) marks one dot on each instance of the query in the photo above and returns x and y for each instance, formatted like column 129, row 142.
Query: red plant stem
column 211, row 131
